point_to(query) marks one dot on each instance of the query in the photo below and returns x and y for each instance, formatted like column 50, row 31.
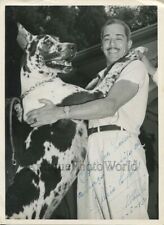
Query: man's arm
column 124, row 89
column 121, row 92
column 119, row 95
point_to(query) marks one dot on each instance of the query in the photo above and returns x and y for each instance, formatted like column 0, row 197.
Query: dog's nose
column 73, row 47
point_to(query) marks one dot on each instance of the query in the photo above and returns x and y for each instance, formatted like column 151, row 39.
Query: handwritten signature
column 135, row 197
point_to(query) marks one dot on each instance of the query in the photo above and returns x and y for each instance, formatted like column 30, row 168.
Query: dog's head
column 46, row 49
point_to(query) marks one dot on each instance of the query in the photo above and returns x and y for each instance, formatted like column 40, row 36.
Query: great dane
column 51, row 155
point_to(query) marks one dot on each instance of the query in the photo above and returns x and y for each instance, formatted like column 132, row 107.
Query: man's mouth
column 113, row 50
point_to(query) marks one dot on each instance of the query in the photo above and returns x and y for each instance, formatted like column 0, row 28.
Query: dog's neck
column 35, row 70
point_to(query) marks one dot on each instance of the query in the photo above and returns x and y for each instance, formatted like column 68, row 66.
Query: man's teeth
column 113, row 50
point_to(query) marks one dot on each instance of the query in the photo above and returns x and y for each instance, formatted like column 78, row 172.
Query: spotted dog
column 51, row 155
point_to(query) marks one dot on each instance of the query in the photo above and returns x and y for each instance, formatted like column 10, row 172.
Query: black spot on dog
column 83, row 153
column 65, row 186
column 68, row 167
column 54, row 161
column 64, row 132
column 43, row 210
column 24, row 64
column 50, row 175
column 26, row 69
column 56, row 194
column 60, row 189
column 80, row 132
column 36, row 148
column 77, row 171
column 60, row 134
column 32, row 48
column 34, row 215
column 22, row 192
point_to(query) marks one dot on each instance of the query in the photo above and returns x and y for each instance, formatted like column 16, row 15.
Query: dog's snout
column 73, row 47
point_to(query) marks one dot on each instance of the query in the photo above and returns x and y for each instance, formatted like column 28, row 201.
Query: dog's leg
column 22, row 192
column 81, row 97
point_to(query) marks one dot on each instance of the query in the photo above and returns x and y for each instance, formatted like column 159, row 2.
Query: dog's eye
column 59, row 48
column 49, row 42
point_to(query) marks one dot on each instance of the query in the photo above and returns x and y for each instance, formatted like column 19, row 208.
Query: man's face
column 115, row 43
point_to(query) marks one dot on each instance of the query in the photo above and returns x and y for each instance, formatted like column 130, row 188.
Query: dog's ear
column 23, row 37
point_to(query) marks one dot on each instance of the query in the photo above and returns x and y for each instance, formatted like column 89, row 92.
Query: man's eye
column 119, row 38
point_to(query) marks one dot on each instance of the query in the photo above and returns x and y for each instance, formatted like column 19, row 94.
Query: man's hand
column 47, row 114
column 150, row 68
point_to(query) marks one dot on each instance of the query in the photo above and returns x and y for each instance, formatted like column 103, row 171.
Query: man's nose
column 112, row 42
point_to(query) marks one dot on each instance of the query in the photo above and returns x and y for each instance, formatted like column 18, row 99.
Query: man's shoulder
column 135, row 72
column 136, row 65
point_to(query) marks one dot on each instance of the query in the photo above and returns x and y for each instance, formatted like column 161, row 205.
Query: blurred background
column 82, row 25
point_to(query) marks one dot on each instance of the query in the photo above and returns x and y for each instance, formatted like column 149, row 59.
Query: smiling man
column 113, row 183
column 115, row 41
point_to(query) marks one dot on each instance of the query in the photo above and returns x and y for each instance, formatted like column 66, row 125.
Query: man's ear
column 23, row 37
column 130, row 44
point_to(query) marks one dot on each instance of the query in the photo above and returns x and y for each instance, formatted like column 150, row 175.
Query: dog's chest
column 31, row 74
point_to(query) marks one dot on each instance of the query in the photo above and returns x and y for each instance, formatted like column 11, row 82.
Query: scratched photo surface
column 53, row 53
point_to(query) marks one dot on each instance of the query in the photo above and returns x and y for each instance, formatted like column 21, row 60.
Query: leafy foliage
column 79, row 24
column 136, row 17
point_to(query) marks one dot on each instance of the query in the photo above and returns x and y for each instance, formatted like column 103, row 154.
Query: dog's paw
column 99, row 94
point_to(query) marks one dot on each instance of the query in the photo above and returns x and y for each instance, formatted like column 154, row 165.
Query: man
column 113, row 183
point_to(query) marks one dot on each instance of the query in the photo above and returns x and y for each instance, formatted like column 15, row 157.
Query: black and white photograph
column 81, row 112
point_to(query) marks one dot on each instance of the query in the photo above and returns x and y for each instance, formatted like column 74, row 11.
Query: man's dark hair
column 117, row 21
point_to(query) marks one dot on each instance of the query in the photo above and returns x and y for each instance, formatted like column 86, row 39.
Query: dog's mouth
column 55, row 60
column 62, row 65
column 58, row 63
